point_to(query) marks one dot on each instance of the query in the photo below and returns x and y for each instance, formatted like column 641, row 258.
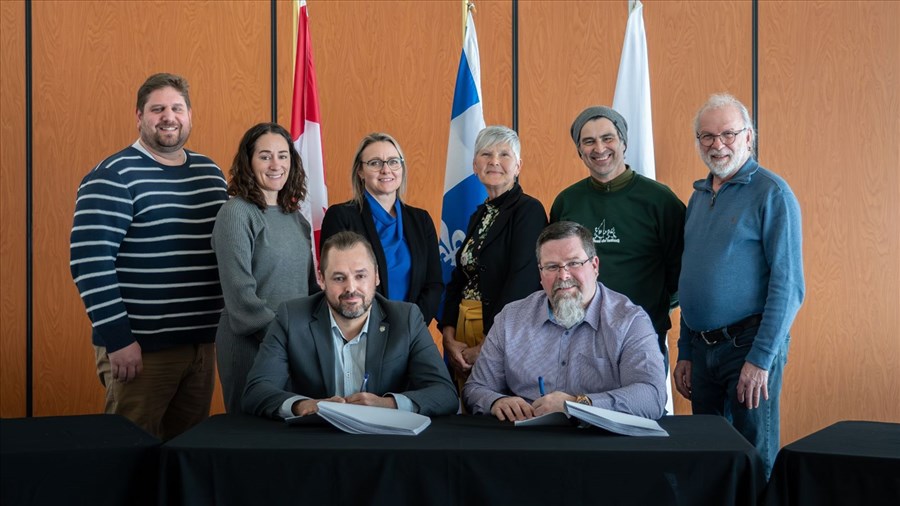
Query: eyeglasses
column 394, row 164
column 568, row 266
column 728, row 137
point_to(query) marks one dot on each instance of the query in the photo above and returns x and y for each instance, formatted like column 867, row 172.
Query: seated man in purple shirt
column 588, row 343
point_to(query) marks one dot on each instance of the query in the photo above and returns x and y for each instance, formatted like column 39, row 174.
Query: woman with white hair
column 496, row 263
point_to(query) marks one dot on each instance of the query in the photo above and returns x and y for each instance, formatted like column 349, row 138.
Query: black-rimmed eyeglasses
column 568, row 266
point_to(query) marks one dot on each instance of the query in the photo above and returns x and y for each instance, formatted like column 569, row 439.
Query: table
column 89, row 459
column 459, row 460
column 845, row 463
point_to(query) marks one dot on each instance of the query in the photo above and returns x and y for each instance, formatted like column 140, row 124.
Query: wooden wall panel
column 493, row 23
column 12, row 209
column 391, row 87
column 569, row 56
column 391, row 67
column 829, row 117
column 692, row 57
column 89, row 60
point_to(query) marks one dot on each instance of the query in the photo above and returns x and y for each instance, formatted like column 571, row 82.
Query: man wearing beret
column 637, row 223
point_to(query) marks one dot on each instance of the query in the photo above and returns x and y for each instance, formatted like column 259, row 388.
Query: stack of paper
column 357, row 419
column 613, row 421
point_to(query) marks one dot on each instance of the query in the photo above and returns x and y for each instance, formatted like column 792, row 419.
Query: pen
column 364, row 383
column 541, row 384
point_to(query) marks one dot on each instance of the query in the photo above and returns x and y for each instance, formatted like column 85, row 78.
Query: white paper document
column 357, row 419
column 613, row 421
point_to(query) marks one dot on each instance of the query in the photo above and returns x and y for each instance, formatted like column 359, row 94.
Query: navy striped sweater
column 140, row 250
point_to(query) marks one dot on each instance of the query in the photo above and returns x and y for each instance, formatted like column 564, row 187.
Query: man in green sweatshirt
column 637, row 223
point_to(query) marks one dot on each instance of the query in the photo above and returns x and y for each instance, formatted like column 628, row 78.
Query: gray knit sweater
column 264, row 259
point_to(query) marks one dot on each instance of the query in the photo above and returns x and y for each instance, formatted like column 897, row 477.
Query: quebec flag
column 463, row 191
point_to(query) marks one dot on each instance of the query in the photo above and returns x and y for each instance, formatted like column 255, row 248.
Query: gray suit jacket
column 298, row 353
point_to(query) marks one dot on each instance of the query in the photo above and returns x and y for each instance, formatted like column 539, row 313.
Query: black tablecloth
column 237, row 459
column 846, row 463
column 92, row 459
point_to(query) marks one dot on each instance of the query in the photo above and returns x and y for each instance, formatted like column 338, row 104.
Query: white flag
column 632, row 98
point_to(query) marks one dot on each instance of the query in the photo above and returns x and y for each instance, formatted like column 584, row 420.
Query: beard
column 166, row 142
column 354, row 310
column 567, row 307
column 723, row 170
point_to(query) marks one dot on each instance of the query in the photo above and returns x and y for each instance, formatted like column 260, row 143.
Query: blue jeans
column 715, row 371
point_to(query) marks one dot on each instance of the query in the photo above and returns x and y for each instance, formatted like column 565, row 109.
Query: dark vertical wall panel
column 287, row 47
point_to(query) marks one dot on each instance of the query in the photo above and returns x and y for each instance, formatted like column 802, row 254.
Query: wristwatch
column 583, row 399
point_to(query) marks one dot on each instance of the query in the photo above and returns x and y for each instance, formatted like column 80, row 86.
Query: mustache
column 347, row 295
column 565, row 283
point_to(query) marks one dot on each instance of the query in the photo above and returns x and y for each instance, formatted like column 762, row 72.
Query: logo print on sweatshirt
column 604, row 235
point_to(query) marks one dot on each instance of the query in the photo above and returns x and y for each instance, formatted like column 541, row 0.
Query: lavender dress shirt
column 612, row 356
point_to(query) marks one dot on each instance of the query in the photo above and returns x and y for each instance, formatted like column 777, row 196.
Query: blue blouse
column 396, row 251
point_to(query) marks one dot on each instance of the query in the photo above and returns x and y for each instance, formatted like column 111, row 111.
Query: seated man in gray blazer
column 348, row 344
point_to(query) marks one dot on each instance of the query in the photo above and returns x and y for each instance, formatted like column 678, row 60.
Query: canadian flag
column 306, row 130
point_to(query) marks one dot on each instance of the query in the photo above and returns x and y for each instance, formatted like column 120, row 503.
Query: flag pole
column 465, row 10
column 295, row 24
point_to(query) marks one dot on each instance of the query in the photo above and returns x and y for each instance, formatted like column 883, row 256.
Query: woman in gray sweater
column 263, row 249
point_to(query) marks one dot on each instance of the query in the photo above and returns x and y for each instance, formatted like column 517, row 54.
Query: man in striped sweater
column 141, row 259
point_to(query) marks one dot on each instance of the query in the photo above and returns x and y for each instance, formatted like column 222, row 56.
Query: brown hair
column 564, row 230
column 343, row 241
column 243, row 184
column 159, row 81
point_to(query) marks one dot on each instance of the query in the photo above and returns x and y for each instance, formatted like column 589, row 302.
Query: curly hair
column 243, row 183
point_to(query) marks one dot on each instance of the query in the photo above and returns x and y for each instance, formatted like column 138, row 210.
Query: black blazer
column 425, row 278
column 508, row 265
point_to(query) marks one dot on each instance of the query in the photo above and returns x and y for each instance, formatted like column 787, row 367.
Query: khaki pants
column 171, row 395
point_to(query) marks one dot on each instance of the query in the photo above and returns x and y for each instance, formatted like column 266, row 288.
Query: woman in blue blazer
column 402, row 236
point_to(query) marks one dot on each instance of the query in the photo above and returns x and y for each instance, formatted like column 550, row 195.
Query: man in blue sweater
column 741, row 281
column 142, row 261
